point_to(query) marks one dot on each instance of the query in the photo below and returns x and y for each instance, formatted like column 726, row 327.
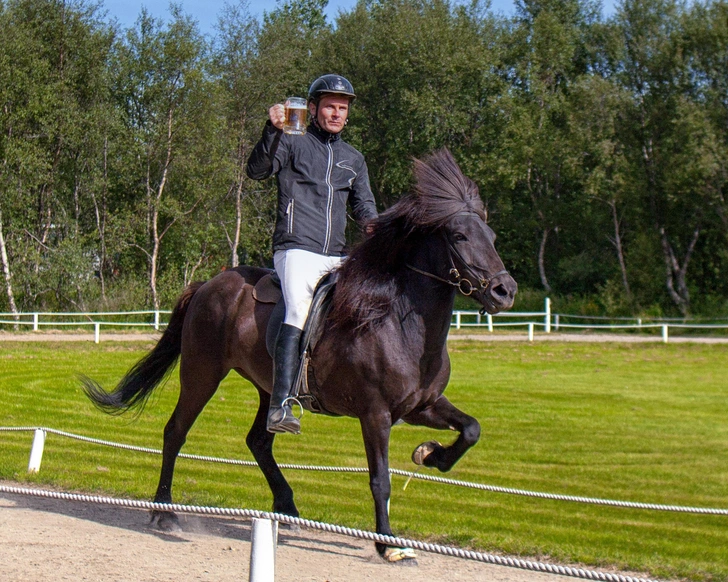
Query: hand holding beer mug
column 295, row 116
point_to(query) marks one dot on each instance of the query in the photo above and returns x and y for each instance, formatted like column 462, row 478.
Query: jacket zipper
column 289, row 213
column 330, row 201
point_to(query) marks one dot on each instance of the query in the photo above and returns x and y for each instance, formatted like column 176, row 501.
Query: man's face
column 333, row 111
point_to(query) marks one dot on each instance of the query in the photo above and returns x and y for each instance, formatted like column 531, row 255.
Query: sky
column 206, row 11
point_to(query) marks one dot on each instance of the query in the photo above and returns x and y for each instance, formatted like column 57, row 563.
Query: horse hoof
column 166, row 520
column 392, row 555
column 423, row 451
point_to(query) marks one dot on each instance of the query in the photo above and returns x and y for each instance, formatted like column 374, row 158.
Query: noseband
column 463, row 284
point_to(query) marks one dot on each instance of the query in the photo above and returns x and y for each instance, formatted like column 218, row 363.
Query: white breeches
column 299, row 272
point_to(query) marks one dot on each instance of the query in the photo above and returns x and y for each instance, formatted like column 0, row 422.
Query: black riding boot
column 285, row 360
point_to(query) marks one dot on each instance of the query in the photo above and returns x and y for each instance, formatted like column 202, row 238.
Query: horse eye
column 459, row 237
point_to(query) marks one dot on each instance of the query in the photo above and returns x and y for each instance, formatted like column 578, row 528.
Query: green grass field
column 640, row 422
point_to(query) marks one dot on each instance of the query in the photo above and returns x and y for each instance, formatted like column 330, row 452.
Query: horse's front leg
column 375, row 430
column 443, row 415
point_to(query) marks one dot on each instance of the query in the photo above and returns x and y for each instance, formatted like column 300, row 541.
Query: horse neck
column 429, row 301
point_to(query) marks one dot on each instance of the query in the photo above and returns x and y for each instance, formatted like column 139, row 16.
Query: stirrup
column 290, row 401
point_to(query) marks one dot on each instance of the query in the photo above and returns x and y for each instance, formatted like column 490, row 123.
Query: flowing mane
column 368, row 284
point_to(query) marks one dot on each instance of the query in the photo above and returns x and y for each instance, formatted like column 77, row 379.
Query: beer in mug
column 295, row 122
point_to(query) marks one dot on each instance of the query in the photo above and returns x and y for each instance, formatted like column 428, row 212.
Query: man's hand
column 277, row 115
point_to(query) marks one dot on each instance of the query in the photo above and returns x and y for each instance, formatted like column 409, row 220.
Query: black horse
column 382, row 355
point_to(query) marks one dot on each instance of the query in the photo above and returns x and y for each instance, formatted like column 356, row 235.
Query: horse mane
column 368, row 284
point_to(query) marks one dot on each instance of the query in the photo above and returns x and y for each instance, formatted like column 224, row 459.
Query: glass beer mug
column 295, row 122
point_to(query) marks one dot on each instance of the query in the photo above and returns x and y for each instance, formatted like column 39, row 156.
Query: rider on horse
column 317, row 174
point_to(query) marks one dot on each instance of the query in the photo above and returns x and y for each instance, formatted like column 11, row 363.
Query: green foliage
column 600, row 146
column 426, row 77
column 636, row 422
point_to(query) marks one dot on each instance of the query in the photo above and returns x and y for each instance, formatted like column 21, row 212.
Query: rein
column 453, row 271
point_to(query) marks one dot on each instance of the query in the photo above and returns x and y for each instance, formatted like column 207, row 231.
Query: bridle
column 456, row 279
column 463, row 284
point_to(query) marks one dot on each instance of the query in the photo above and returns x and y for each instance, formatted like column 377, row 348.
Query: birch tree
column 164, row 89
column 549, row 58
column 668, row 136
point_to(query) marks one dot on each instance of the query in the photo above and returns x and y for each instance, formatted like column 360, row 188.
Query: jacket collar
column 323, row 135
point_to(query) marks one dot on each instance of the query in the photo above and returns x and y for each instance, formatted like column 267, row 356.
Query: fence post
column 547, row 307
column 490, row 323
column 97, row 332
column 36, row 451
column 556, row 322
column 664, row 334
column 457, row 320
column 530, row 332
column 35, row 322
column 156, row 320
column 263, row 538
column 477, row 319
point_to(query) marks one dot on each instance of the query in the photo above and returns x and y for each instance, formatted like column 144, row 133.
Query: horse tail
column 140, row 381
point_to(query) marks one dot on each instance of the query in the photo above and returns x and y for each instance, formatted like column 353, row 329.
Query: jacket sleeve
column 268, row 156
column 361, row 199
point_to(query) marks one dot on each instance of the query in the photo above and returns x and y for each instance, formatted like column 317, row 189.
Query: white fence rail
column 544, row 321
column 35, row 320
column 549, row 322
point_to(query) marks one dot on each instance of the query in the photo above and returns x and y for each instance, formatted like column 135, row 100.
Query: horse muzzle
column 497, row 294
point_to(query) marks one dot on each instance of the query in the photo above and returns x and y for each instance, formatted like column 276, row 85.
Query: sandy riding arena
column 51, row 540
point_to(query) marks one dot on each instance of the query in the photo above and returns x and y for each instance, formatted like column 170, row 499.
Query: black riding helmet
column 330, row 85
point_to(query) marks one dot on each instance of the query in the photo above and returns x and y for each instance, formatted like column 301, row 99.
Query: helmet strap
column 314, row 118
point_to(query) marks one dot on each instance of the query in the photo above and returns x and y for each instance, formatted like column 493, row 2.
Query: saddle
column 268, row 290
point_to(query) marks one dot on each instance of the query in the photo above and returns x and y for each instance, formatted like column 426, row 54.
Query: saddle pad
column 267, row 290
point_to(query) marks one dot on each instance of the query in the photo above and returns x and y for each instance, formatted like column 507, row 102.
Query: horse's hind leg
column 443, row 415
column 198, row 382
column 260, row 443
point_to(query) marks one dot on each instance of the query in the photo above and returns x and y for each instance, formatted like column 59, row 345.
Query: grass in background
column 640, row 422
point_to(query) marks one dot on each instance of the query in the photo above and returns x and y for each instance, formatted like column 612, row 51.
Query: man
column 317, row 174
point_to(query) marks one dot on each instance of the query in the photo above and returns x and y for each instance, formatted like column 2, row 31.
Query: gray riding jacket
column 317, row 174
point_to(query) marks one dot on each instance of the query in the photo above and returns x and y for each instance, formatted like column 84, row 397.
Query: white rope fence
column 408, row 474
column 337, row 529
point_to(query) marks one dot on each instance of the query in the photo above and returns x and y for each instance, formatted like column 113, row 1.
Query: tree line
column 600, row 145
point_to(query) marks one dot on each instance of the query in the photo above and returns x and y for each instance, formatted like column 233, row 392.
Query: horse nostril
column 500, row 290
